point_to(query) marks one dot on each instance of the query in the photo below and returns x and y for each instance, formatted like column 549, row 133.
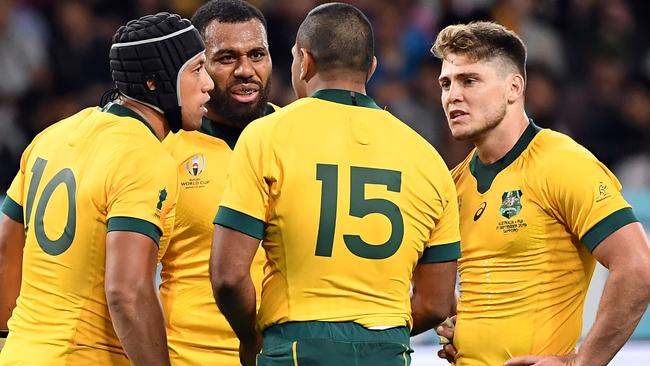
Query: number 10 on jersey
column 359, row 207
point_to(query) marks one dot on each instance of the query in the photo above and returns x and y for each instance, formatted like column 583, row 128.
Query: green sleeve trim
column 441, row 253
column 240, row 221
column 135, row 225
column 13, row 210
column 607, row 226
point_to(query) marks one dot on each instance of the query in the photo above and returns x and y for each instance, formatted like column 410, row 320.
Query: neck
column 496, row 143
column 318, row 83
column 215, row 117
column 154, row 118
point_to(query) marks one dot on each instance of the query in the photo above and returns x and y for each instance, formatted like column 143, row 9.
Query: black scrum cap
column 154, row 47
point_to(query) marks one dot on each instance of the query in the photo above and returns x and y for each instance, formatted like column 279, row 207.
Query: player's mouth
column 204, row 109
column 456, row 114
column 245, row 93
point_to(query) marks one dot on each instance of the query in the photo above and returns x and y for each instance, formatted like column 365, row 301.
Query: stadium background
column 588, row 74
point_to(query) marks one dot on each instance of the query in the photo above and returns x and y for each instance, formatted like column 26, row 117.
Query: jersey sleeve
column 142, row 191
column 167, row 232
column 590, row 204
column 14, row 201
column 444, row 241
column 245, row 200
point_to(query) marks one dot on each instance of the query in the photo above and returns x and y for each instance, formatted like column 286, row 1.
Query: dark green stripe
column 228, row 134
column 346, row 97
column 135, row 225
column 13, row 210
column 441, row 253
column 240, row 221
column 485, row 174
column 607, row 226
column 122, row 111
column 335, row 331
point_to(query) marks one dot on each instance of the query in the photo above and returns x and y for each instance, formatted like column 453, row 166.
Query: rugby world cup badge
column 195, row 165
column 510, row 203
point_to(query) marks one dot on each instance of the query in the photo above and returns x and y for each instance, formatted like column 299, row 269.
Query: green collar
column 346, row 97
column 122, row 111
column 228, row 134
column 485, row 174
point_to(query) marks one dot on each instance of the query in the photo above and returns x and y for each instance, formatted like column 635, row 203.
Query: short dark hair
column 339, row 37
column 226, row 11
column 481, row 41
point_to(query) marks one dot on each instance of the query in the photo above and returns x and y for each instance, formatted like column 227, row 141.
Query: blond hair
column 481, row 41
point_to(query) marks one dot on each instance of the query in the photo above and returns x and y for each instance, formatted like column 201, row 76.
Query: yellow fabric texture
column 524, row 271
column 282, row 173
column 197, row 332
column 120, row 170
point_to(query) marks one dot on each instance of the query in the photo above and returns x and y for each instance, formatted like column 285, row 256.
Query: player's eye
column 227, row 59
column 257, row 55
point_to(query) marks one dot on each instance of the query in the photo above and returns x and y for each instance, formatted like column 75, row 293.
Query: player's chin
column 193, row 122
column 461, row 133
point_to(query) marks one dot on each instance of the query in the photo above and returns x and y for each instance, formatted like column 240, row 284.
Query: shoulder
column 175, row 143
column 462, row 167
column 265, row 125
column 555, row 152
column 558, row 164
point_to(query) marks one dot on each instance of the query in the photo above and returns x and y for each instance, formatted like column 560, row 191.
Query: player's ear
column 307, row 65
column 516, row 87
column 373, row 68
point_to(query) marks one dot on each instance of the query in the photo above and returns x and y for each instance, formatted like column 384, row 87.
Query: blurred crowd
column 588, row 66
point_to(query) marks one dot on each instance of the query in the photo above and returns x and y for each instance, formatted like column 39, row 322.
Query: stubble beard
column 238, row 114
column 491, row 122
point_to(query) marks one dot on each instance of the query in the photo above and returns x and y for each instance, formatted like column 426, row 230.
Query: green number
column 37, row 174
column 359, row 207
column 66, row 177
column 328, row 174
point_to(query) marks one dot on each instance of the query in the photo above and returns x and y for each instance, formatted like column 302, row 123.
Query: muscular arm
column 132, row 299
column 626, row 253
column 433, row 298
column 12, row 241
column 232, row 286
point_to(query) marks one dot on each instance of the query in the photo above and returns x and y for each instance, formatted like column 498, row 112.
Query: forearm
column 433, row 298
column 12, row 241
column 237, row 303
column 139, row 323
column 425, row 316
column 624, row 300
column 10, row 273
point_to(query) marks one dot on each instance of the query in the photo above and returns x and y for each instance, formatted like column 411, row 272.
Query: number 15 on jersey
column 359, row 207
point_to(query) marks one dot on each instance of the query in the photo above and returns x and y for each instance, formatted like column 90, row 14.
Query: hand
column 448, row 352
column 446, row 333
column 567, row 360
column 248, row 351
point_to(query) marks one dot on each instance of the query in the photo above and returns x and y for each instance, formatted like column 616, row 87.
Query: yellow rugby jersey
column 346, row 199
column 528, row 225
column 93, row 172
column 197, row 332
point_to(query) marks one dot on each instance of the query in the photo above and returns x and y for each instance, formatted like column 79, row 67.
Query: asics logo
column 480, row 211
